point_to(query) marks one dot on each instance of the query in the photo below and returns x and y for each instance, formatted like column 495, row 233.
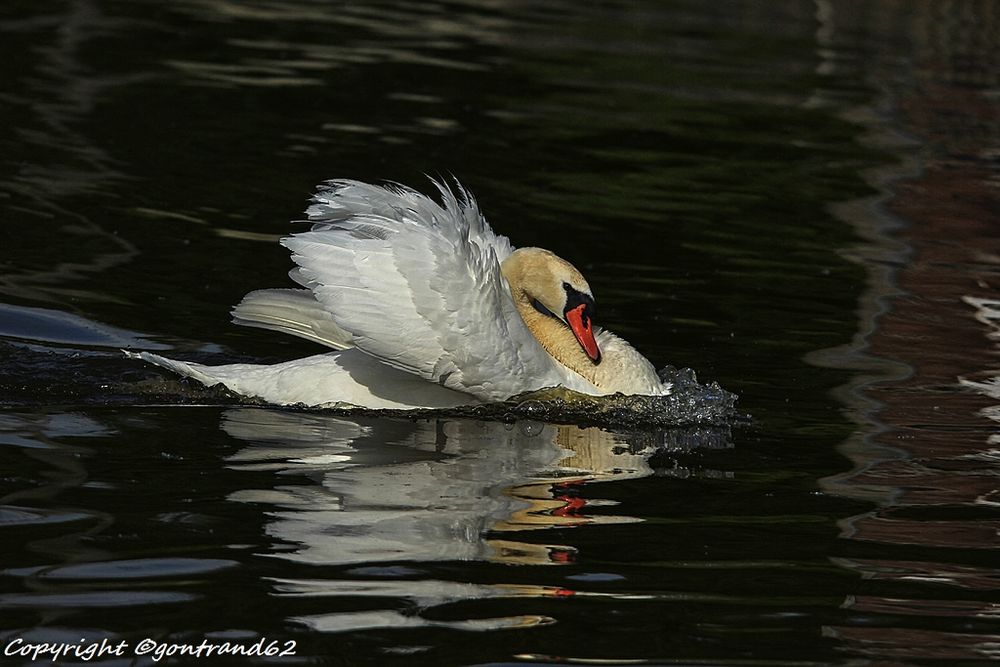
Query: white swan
column 427, row 308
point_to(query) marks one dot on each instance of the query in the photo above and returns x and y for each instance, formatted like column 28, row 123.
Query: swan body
column 425, row 307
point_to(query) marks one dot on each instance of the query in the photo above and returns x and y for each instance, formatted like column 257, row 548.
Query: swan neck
column 552, row 334
column 557, row 339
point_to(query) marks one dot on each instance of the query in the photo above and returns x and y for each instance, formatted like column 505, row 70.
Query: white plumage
column 416, row 299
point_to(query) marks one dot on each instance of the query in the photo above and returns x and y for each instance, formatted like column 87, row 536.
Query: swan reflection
column 430, row 490
column 371, row 494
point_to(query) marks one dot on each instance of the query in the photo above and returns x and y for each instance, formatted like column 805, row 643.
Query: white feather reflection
column 430, row 490
column 370, row 494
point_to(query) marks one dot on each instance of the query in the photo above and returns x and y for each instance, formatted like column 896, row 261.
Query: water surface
column 797, row 201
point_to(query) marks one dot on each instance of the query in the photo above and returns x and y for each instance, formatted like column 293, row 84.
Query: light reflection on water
column 469, row 480
column 451, row 490
column 379, row 500
column 922, row 452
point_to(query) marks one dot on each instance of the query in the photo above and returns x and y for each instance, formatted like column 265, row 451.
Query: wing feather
column 418, row 285
column 292, row 311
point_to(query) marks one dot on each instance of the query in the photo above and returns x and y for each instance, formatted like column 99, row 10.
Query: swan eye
column 575, row 297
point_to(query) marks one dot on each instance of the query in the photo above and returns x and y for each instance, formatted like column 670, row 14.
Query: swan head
column 554, row 288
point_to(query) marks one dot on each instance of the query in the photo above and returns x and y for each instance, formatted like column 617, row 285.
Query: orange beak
column 579, row 323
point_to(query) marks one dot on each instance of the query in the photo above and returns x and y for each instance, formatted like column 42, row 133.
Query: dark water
column 792, row 198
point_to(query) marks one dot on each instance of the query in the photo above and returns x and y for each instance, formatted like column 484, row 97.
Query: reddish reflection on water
column 929, row 457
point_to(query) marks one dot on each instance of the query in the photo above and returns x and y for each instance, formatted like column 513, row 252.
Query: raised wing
column 418, row 286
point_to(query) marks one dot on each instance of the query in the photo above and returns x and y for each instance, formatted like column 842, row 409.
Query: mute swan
column 426, row 307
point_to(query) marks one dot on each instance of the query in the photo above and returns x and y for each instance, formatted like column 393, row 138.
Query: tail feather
column 291, row 311
column 183, row 368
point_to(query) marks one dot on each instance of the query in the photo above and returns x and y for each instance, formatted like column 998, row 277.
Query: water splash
column 690, row 403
